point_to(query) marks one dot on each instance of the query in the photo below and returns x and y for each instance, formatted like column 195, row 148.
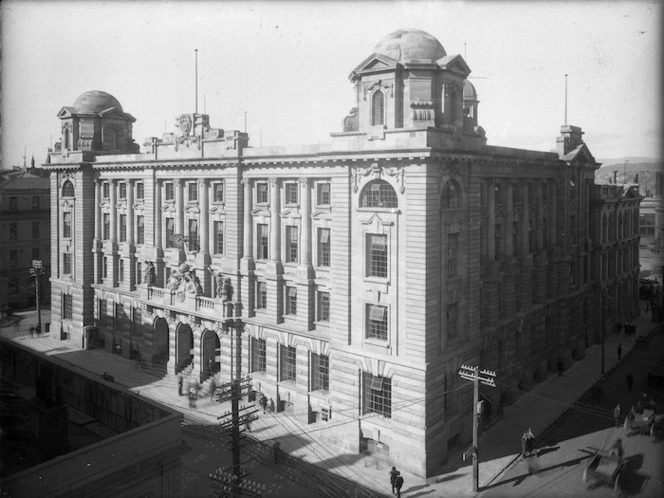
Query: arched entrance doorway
column 210, row 354
column 184, row 345
column 160, row 341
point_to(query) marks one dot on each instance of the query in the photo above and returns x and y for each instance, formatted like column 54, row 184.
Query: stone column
column 97, row 244
column 526, row 269
column 204, row 207
column 247, row 289
column 129, row 254
column 275, row 222
column 553, row 224
column 179, row 207
column 540, row 218
column 510, row 250
column 130, row 212
column 114, row 211
column 306, row 222
column 274, row 267
column 305, row 271
column 525, row 221
column 158, row 243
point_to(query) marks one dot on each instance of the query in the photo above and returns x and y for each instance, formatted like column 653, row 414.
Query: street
column 558, row 471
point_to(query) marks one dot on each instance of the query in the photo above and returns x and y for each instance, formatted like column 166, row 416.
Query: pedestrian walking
column 247, row 423
column 630, row 381
column 263, row 402
column 271, row 406
column 393, row 478
column 180, row 382
column 32, row 332
column 619, row 351
column 213, row 387
column 192, row 397
column 616, row 415
column 398, row 483
column 561, row 368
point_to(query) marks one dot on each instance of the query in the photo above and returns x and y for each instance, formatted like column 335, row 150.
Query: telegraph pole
column 473, row 374
column 37, row 270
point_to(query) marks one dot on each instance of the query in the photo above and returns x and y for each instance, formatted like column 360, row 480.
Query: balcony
column 180, row 301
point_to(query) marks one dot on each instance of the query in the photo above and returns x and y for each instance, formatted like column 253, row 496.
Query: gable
column 454, row 64
column 375, row 62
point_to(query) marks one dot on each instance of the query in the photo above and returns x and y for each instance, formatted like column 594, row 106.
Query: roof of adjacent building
column 409, row 45
column 24, row 181
column 96, row 101
column 469, row 92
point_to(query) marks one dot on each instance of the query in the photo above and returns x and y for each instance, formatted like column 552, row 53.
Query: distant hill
column 639, row 163
column 645, row 167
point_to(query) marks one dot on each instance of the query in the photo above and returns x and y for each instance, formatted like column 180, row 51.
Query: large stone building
column 24, row 231
column 350, row 279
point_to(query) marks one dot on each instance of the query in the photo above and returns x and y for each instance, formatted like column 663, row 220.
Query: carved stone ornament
column 378, row 84
column 185, row 124
column 375, row 172
column 422, row 111
column 448, row 171
column 351, row 122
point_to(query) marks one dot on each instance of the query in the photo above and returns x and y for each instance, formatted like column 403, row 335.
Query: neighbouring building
column 350, row 279
column 24, row 231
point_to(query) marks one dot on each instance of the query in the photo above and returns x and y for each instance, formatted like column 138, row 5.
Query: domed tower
column 96, row 122
column 408, row 82
column 470, row 102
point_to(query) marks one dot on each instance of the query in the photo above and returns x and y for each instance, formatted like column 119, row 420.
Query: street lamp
column 37, row 271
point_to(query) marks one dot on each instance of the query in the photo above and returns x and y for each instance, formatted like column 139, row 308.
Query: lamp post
column 37, row 271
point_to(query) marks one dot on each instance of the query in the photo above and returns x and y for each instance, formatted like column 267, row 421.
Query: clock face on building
column 185, row 124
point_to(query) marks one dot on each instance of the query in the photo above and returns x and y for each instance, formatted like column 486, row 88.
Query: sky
column 286, row 65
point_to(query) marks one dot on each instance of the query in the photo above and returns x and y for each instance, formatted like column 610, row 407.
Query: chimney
column 615, row 178
column 569, row 139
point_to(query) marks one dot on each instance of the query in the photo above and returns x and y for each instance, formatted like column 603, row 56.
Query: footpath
column 500, row 445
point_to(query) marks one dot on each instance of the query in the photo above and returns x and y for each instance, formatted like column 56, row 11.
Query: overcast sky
column 286, row 65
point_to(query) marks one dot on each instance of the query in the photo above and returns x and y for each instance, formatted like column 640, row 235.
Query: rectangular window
column 323, row 194
column 291, row 244
column 193, row 235
column 287, row 363
column 121, row 270
column 258, row 355
column 218, row 237
column 66, row 225
column 452, row 319
column 13, row 203
column 324, row 247
column 140, row 229
column 67, row 306
column 291, row 193
column 35, row 202
column 35, row 229
column 262, row 242
column 261, row 295
column 123, row 228
column 376, row 395
column 106, row 235
column 104, row 267
column 168, row 191
column 13, row 231
column 140, row 190
column 170, row 232
column 13, row 258
column 261, row 193
column 105, row 190
column 452, row 253
column 320, row 372
column 35, row 253
column 192, row 191
column 120, row 316
column 323, row 305
column 139, row 272
column 122, row 186
column 376, row 322
column 377, row 264
column 66, row 263
column 291, row 300
column 218, row 192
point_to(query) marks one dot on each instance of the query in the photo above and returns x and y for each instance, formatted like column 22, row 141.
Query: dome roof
column 96, row 101
column 410, row 45
column 469, row 92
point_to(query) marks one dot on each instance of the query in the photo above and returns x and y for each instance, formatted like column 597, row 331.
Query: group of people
column 396, row 480
column 265, row 404
column 34, row 330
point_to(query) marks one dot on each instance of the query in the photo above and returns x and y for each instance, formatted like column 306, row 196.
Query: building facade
column 24, row 228
column 350, row 279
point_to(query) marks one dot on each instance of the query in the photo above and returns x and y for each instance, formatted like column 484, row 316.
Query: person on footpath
column 398, row 483
column 630, row 381
column 32, row 332
column 619, row 351
column 263, row 402
column 393, row 478
column 616, row 414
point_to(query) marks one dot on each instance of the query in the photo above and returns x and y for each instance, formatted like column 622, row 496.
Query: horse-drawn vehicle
column 604, row 469
column 640, row 422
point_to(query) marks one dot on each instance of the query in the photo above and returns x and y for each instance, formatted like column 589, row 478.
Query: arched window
column 68, row 189
column 379, row 194
column 378, row 108
column 452, row 195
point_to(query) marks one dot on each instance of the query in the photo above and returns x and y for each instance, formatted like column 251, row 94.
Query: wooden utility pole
column 473, row 374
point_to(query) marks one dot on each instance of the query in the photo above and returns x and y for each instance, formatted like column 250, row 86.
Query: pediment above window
column 217, row 209
column 260, row 211
column 192, row 209
column 290, row 213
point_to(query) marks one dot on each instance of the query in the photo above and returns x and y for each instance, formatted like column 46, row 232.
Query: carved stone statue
column 192, row 284
column 174, row 280
column 227, row 291
column 149, row 273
